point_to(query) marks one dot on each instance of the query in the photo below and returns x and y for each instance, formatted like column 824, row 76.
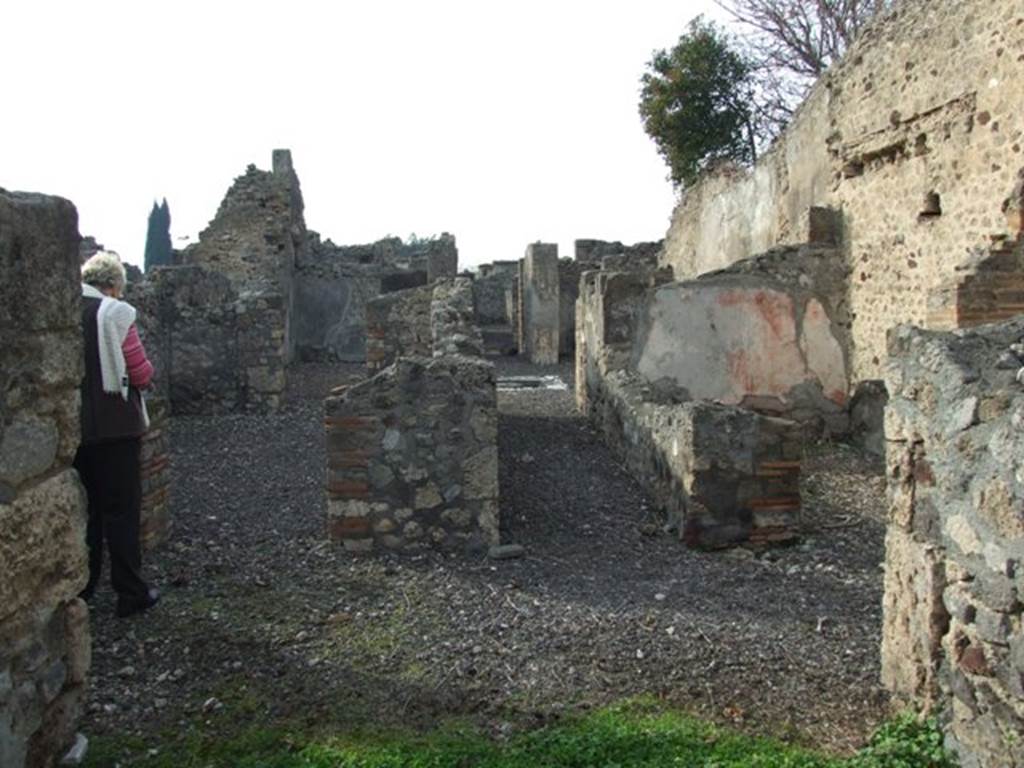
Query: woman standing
column 113, row 422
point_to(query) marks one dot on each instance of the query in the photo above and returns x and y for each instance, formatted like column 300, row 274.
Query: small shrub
column 906, row 741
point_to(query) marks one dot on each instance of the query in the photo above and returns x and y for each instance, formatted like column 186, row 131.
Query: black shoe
column 127, row 608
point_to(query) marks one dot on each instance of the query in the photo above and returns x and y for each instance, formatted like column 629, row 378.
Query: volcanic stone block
column 44, row 633
column 952, row 631
column 539, row 288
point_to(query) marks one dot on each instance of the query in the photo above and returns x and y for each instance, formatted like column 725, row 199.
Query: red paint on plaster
column 739, row 370
column 838, row 397
column 776, row 309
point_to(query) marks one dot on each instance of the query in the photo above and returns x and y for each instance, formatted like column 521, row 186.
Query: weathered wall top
column 259, row 232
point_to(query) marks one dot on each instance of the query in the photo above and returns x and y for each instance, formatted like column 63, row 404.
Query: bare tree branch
column 792, row 42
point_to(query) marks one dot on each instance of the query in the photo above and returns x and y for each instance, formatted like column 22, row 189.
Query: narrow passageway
column 263, row 619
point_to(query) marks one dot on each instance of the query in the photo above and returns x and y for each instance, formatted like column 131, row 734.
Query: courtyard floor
column 263, row 620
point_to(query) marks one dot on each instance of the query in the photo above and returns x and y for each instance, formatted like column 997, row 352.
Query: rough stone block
column 539, row 290
column 44, row 525
column 915, row 618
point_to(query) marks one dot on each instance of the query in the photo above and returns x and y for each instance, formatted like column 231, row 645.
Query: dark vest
column 104, row 417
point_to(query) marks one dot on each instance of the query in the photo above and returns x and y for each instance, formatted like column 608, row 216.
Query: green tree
column 159, row 252
column 697, row 103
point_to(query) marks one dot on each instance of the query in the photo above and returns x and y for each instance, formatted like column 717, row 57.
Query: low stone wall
column 398, row 324
column 723, row 474
column 412, row 457
column 952, row 633
column 44, row 627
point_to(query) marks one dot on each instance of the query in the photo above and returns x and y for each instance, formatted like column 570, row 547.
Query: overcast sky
column 503, row 123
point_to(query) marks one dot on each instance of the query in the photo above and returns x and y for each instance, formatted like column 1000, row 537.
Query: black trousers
column 110, row 474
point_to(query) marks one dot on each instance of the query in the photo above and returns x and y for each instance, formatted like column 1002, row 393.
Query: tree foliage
column 695, row 101
column 159, row 252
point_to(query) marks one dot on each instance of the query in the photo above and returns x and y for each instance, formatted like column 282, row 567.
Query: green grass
column 635, row 734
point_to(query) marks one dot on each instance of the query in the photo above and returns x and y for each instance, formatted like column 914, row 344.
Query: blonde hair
column 104, row 270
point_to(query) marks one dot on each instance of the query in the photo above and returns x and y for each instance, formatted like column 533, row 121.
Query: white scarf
column 113, row 322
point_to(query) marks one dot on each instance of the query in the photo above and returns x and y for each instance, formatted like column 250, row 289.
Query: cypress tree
column 158, row 237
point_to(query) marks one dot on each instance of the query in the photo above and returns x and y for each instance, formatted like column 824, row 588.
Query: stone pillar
column 539, row 290
column 44, row 628
column 281, row 162
column 442, row 258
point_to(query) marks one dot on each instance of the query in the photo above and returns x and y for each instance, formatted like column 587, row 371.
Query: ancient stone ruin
column 259, row 290
column 412, row 456
column 863, row 281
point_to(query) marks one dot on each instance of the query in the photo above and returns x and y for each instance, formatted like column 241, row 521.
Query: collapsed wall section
column 494, row 305
column 44, row 627
column 952, row 633
column 590, row 255
column 412, row 452
column 915, row 136
column 334, row 286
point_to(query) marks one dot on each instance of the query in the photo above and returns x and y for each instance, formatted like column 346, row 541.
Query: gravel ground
column 263, row 620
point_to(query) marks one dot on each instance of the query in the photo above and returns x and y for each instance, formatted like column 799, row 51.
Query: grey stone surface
column 28, row 447
column 506, row 551
column 954, row 437
column 412, row 452
column 539, row 297
column 42, row 505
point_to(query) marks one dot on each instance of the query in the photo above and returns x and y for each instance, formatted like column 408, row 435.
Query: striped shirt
column 140, row 370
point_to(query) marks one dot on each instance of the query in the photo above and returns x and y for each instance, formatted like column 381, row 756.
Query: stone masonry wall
column 916, row 137
column 335, row 284
column 723, row 475
column 213, row 348
column 412, row 452
column 44, row 627
column 453, row 328
column 489, row 292
column 952, row 635
column 398, row 324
